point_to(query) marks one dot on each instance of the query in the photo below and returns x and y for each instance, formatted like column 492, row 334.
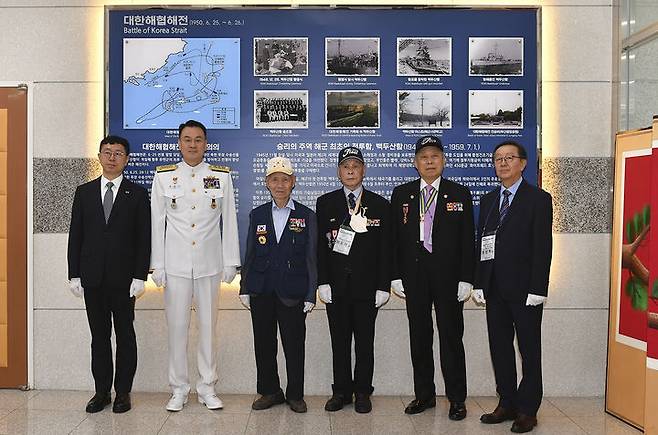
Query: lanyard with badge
column 488, row 243
column 358, row 224
column 425, row 204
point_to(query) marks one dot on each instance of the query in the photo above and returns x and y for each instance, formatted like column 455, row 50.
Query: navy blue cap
column 350, row 153
column 428, row 141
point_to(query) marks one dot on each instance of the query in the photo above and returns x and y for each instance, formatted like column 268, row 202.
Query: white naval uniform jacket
column 188, row 206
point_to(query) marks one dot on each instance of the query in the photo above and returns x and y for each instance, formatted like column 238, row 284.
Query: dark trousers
column 105, row 305
column 431, row 291
column 266, row 312
column 504, row 319
column 349, row 318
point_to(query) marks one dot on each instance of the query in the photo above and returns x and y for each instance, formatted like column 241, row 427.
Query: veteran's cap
column 428, row 141
column 350, row 153
column 279, row 164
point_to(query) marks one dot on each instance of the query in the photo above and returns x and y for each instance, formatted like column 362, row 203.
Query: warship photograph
column 352, row 109
column 352, row 56
column 495, row 56
column 495, row 109
column 424, row 109
column 424, row 56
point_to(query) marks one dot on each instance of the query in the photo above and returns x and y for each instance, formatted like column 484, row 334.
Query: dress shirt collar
column 116, row 182
column 435, row 184
column 290, row 205
column 513, row 188
column 356, row 191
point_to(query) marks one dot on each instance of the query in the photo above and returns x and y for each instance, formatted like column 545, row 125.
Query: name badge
column 344, row 240
column 488, row 247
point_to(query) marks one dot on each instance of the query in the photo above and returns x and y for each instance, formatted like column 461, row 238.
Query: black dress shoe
column 524, row 423
column 362, row 404
column 336, row 402
column 268, row 400
column 121, row 403
column 457, row 411
column 297, row 405
column 98, row 402
column 417, row 405
column 499, row 415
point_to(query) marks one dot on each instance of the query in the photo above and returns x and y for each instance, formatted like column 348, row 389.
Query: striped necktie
column 504, row 208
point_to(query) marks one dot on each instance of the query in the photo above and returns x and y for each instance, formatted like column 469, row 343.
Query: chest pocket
column 214, row 198
column 174, row 195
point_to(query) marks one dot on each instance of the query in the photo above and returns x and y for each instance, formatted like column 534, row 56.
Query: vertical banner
column 304, row 83
column 629, row 268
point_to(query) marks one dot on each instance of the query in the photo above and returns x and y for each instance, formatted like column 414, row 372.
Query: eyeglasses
column 506, row 159
column 109, row 154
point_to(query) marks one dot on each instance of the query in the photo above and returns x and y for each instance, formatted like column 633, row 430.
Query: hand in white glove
column 228, row 275
column 398, row 288
column 535, row 300
column 381, row 297
column 76, row 287
column 308, row 306
column 478, row 296
column 136, row 288
column 324, row 292
column 159, row 277
column 464, row 290
column 246, row 301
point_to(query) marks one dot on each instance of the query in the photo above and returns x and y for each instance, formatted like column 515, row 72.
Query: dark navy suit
column 520, row 266
column 280, row 277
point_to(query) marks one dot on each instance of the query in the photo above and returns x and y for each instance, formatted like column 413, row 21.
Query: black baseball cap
column 428, row 141
column 350, row 153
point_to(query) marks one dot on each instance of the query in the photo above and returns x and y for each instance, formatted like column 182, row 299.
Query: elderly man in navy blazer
column 279, row 279
column 108, row 258
column 514, row 249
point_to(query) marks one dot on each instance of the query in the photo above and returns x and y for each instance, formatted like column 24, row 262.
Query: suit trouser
column 179, row 294
column 450, row 324
column 104, row 304
column 349, row 317
column 504, row 318
column 266, row 312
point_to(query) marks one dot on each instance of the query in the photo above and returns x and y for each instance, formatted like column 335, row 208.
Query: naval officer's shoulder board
column 165, row 168
column 219, row 168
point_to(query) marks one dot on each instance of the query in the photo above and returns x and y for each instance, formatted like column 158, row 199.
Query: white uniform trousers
column 179, row 293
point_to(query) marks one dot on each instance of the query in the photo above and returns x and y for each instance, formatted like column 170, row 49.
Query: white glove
column 398, row 288
column 464, row 290
column 76, row 287
column 228, row 275
column 478, row 296
column 308, row 306
column 245, row 300
column 136, row 288
column 535, row 300
column 324, row 292
column 381, row 297
column 159, row 277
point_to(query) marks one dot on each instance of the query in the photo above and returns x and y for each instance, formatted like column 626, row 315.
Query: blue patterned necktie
column 504, row 208
column 351, row 201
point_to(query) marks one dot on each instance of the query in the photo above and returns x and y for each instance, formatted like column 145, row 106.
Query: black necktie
column 351, row 201
column 504, row 208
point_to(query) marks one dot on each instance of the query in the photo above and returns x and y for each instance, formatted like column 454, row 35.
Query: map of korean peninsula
column 167, row 81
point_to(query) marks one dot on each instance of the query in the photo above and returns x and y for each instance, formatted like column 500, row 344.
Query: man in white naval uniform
column 194, row 246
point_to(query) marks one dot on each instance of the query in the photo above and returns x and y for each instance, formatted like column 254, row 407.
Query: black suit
column 432, row 279
column 520, row 266
column 354, row 280
column 106, row 257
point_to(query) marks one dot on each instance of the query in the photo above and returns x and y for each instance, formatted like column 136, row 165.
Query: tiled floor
column 62, row 412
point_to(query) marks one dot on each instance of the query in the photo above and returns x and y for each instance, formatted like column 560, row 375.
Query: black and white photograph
column 345, row 109
column 351, row 56
column 281, row 56
column 424, row 109
column 424, row 56
column 281, row 109
column 495, row 109
column 495, row 56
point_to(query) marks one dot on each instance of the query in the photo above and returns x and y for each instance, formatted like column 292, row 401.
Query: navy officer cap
column 428, row 141
column 350, row 153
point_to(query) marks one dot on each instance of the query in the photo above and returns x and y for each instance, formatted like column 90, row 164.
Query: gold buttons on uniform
column 192, row 175
column 193, row 207
column 193, row 190
column 193, row 225
column 193, row 243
